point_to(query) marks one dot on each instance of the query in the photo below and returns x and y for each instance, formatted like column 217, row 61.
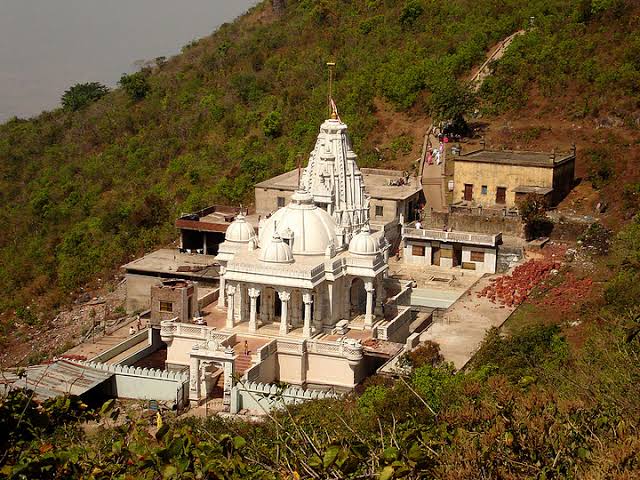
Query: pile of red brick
column 511, row 290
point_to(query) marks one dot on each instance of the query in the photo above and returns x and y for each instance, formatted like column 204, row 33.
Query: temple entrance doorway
column 357, row 297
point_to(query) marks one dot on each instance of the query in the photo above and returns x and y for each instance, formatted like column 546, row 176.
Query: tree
column 450, row 100
column 272, row 124
column 533, row 211
column 82, row 94
column 136, row 85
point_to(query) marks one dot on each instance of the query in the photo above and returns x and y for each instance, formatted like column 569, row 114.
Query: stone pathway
column 465, row 323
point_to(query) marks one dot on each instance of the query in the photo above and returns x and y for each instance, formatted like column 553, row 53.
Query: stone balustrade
column 170, row 329
column 460, row 237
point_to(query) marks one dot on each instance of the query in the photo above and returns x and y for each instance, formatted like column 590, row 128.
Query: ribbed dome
column 306, row 227
column 276, row 251
column 363, row 243
column 240, row 230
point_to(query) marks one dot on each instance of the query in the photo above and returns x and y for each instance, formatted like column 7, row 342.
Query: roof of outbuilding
column 59, row 378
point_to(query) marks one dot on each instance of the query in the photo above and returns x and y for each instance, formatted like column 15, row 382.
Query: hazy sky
column 48, row 45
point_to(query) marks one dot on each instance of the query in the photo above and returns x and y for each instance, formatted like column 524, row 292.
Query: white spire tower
column 332, row 175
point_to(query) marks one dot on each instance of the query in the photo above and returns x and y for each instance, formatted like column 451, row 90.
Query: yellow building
column 499, row 179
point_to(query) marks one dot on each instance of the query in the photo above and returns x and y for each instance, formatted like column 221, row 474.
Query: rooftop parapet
column 471, row 238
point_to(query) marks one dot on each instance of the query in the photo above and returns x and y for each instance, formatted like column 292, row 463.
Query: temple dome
column 308, row 229
column 240, row 231
column 276, row 251
column 363, row 243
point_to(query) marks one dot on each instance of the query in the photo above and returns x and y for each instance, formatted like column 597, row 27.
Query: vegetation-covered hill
column 83, row 190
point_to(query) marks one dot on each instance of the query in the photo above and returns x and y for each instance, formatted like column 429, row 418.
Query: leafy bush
column 82, row 94
column 372, row 399
column 600, row 168
column 272, row 124
column 427, row 353
column 410, row 13
column 136, row 85
column 524, row 354
column 533, row 211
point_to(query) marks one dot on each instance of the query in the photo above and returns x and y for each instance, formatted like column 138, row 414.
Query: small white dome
column 276, row 251
column 310, row 228
column 239, row 230
column 363, row 243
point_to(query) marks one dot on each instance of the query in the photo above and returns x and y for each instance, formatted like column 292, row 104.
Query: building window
column 379, row 210
column 166, row 306
column 484, row 189
column 501, row 195
column 477, row 256
column 280, row 202
column 417, row 250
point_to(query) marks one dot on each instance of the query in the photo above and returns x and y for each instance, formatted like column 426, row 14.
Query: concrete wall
column 267, row 199
column 140, row 337
column 290, row 368
column 145, row 383
column 267, row 202
column 183, row 297
column 563, row 179
column 478, row 223
column 497, row 175
column 264, row 397
column 139, row 291
column 325, row 370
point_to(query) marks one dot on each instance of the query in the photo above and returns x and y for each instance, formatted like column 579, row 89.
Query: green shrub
column 136, row 85
column 599, row 167
column 372, row 399
column 82, row 94
column 272, row 124
column 434, row 382
column 410, row 13
column 525, row 353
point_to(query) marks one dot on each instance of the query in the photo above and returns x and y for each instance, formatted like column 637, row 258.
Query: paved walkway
column 465, row 323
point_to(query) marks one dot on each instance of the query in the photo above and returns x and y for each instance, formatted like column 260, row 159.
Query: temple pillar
column 379, row 296
column 231, row 291
column 229, row 371
column 307, row 298
column 317, row 310
column 266, row 306
column 254, row 293
column 194, row 380
column 222, row 290
column 284, row 298
column 368, row 316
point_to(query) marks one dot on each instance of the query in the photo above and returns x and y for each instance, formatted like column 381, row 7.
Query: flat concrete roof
column 532, row 189
column 215, row 218
column 172, row 262
column 509, row 157
column 376, row 184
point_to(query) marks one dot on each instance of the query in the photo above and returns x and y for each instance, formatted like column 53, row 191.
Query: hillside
column 554, row 395
column 83, row 191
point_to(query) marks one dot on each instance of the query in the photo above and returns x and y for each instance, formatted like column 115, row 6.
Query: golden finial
column 332, row 113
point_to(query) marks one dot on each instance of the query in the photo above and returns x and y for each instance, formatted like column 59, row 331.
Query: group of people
column 436, row 155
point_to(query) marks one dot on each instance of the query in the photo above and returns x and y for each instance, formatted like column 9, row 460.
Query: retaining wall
column 145, row 383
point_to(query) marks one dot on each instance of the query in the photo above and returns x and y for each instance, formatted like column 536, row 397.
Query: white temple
column 306, row 290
